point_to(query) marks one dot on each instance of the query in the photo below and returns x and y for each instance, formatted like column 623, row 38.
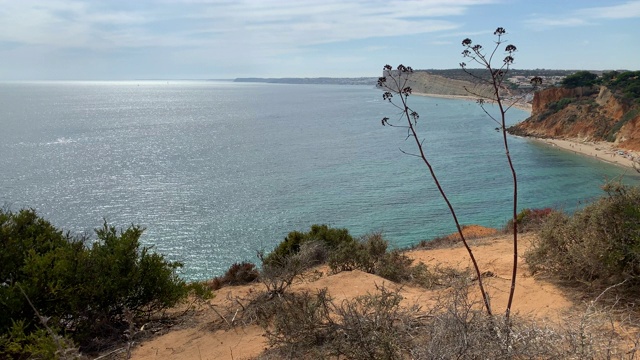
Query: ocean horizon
column 217, row 170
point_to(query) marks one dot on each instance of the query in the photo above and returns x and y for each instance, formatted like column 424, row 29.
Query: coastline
column 518, row 105
column 600, row 150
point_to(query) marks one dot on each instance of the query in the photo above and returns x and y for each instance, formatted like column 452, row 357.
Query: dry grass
column 346, row 316
column 377, row 326
column 469, row 231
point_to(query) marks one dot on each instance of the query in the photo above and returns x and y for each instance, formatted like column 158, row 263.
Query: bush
column 85, row 290
column 342, row 253
column 299, row 321
column 372, row 326
column 370, row 255
column 380, row 326
column 331, row 238
column 279, row 272
column 395, row 266
column 363, row 254
column 237, row 274
column 529, row 219
column 19, row 343
column 599, row 245
column 627, row 82
column 580, row 79
column 556, row 106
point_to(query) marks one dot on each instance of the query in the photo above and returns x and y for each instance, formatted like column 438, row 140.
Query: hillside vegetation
column 59, row 292
column 357, row 311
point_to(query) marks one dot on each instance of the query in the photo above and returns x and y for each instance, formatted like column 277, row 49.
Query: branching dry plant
column 496, row 78
column 394, row 82
column 381, row 325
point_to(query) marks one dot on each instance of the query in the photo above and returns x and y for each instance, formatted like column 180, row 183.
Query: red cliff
column 588, row 114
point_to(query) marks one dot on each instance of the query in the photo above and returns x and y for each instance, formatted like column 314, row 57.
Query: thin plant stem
column 408, row 114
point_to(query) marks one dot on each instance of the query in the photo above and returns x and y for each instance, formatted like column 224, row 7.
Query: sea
column 216, row 170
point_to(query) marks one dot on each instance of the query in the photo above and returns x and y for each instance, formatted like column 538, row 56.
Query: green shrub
column 580, row 79
column 627, row 82
column 348, row 256
column 375, row 246
column 529, row 219
column 395, row 266
column 554, row 107
column 599, row 245
column 330, row 237
column 363, row 254
column 84, row 289
column 628, row 116
column 19, row 343
column 278, row 273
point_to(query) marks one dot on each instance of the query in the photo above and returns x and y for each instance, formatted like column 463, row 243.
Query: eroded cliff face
column 588, row 114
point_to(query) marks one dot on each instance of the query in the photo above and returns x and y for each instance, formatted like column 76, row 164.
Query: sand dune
column 196, row 339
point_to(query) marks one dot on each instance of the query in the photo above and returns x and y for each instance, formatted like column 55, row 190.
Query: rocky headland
column 584, row 114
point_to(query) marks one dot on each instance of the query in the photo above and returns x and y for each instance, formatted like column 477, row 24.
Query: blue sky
column 209, row 39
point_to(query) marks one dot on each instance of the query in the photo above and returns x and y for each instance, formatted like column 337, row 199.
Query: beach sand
column 601, row 150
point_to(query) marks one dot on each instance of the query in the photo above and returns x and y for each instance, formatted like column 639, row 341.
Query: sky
column 220, row 39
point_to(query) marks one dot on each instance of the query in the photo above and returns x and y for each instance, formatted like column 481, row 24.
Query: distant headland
column 319, row 80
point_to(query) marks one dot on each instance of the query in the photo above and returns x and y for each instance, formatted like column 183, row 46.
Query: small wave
column 61, row 140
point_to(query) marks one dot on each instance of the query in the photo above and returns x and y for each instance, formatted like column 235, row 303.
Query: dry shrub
column 446, row 241
column 373, row 326
column 458, row 328
column 395, row 266
column 376, row 326
column 598, row 246
column 279, row 272
column 529, row 220
column 362, row 254
column 299, row 320
column 237, row 274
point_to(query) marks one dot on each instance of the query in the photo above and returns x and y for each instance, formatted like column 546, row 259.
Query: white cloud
column 630, row 9
column 252, row 23
column 235, row 36
column 586, row 16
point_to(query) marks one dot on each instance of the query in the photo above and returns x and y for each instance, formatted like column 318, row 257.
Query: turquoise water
column 218, row 170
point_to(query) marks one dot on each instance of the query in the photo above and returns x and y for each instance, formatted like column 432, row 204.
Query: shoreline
column 599, row 150
column 518, row 105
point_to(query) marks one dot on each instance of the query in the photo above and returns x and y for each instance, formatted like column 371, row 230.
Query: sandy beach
column 601, row 150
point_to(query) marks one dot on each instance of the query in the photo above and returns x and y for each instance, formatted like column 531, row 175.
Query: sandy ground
column 600, row 150
column 207, row 336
